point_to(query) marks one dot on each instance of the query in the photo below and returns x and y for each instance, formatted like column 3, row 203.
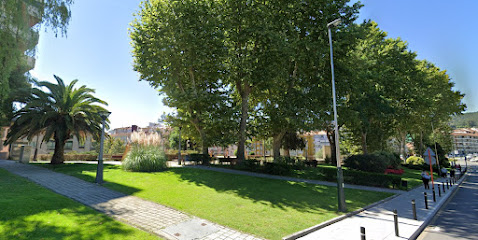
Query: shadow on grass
column 32, row 212
column 277, row 193
column 87, row 172
column 90, row 225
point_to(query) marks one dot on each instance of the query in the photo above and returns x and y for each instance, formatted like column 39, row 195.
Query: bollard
column 447, row 184
column 426, row 200
column 434, row 197
column 443, row 185
column 414, row 208
column 439, row 191
column 395, row 219
column 362, row 233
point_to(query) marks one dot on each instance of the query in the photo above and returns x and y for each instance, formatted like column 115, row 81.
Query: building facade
column 465, row 140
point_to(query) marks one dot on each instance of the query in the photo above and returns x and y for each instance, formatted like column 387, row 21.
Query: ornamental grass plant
column 145, row 158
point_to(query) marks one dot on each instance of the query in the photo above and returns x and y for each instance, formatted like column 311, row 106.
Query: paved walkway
column 379, row 220
column 152, row 217
column 261, row 175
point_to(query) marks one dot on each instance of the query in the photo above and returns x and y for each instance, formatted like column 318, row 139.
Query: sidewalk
column 379, row 219
column 152, row 217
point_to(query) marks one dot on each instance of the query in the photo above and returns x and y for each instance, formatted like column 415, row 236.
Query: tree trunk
column 58, row 155
column 403, row 137
column 242, row 127
column 421, row 144
column 287, row 152
column 276, row 144
column 204, row 144
column 330, row 137
column 364, row 143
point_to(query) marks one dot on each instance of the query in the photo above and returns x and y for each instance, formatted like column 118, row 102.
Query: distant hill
column 466, row 120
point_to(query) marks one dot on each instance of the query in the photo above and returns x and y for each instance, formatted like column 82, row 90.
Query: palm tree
column 60, row 113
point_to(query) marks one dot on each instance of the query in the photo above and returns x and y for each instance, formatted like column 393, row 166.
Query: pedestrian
column 443, row 172
column 425, row 179
column 452, row 172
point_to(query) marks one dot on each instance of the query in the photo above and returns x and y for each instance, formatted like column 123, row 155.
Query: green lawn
column 264, row 207
column 413, row 177
column 29, row 211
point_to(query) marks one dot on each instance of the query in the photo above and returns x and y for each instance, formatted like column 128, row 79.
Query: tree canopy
column 60, row 112
column 261, row 69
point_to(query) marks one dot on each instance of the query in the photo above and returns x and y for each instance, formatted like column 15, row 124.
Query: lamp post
column 340, row 175
column 99, row 169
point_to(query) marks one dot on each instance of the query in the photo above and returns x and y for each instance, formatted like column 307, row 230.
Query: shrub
column 145, row 159
column 203, row 158
column 393, row 159
column 250, row 165
column 371, row 179
column 367, row 163
column 414, row 160
column 277, row 169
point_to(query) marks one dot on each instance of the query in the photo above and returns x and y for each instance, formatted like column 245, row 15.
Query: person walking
column 425, row 179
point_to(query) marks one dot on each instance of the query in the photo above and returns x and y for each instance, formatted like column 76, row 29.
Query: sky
column 97, row 50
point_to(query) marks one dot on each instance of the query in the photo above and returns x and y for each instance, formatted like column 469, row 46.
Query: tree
column 60, row 113
column 18, row 37
column 179, row 49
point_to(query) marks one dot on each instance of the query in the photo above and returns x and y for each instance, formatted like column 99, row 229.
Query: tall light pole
column 340, row 174
column 99, row 169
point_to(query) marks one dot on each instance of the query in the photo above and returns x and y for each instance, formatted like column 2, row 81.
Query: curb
column 334, row 220
column 433, row 213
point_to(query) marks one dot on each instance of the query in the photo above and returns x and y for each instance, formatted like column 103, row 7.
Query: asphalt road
column 458, row 219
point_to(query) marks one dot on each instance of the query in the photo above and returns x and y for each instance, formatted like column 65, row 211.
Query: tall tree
column 19, row 36
column 60, row 112
column 179, row 49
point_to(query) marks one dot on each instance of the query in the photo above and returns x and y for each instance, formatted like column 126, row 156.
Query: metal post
column 443, row 185
column 426, row 200
column 362, row 233
column 414, row 208
column 434, row 197
column 340, row 177
column 395, row 219
column 99, row 169
column 439, row 191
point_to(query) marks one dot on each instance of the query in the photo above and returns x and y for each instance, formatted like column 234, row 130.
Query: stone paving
column 152, row 217
column 378, row 221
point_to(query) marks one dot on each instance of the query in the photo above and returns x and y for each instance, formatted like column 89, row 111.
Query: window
column 69, row 145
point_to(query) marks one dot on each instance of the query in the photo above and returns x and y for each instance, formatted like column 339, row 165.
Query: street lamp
column 340, row 175
column 99, row 169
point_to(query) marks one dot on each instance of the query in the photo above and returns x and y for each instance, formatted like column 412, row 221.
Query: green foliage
column 54, row 216
column 60, row 112
column 204, row 159
column 367, row 163
column 394, row 160
column 200, row 193
column 112, row 145
column 145, row 159
column 18, row 39
column 415, row 160
column 465, row 120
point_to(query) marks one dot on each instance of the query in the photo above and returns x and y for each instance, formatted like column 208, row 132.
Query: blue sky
column 97, row 50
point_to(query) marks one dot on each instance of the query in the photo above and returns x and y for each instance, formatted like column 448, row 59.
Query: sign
column 426, row 157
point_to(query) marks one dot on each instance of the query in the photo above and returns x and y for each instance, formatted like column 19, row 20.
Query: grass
column 264, row 207
column 33, row 212
column 413, row 176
